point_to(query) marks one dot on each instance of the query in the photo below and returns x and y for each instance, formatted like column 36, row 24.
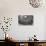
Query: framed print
column 25, row 19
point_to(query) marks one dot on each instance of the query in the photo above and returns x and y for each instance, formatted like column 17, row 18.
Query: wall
column 13, row 8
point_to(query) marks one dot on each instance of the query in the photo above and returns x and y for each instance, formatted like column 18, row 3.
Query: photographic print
column 25, row 19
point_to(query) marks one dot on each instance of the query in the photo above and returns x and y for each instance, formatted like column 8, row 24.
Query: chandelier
column 36, row 3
